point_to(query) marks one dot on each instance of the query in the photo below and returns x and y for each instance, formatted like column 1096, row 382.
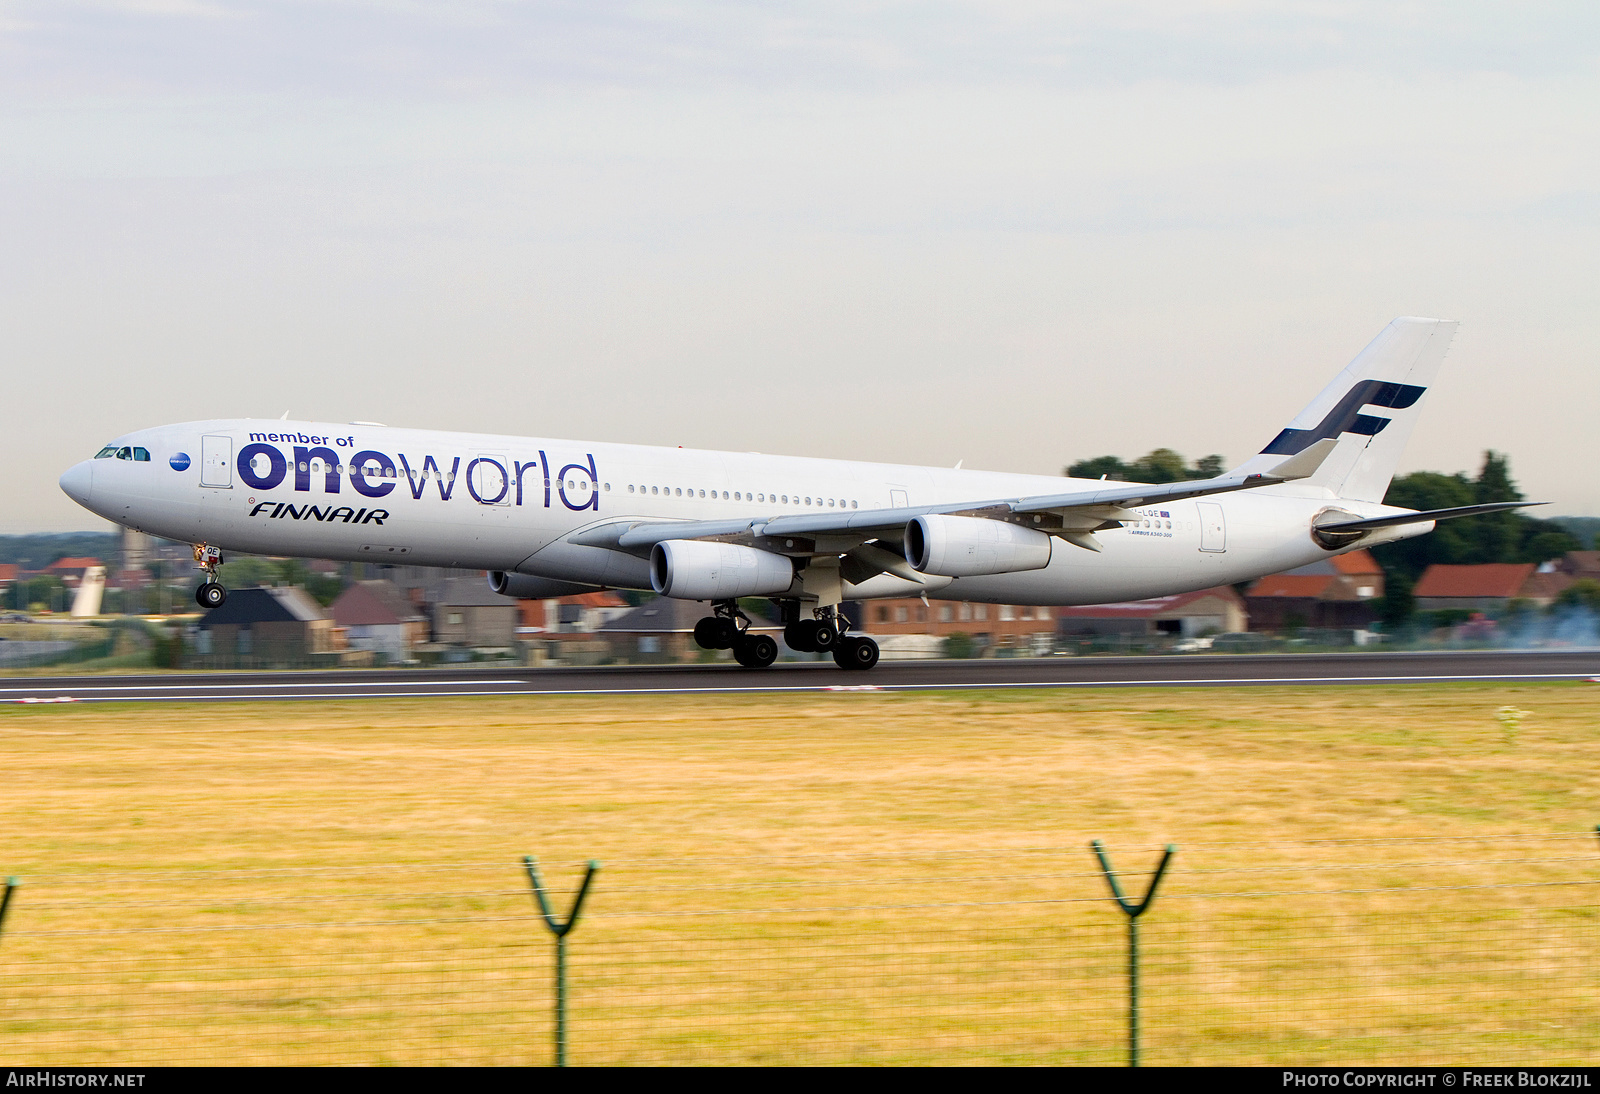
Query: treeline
column 1162, row 465
column 35, row 552
column 1495, row 537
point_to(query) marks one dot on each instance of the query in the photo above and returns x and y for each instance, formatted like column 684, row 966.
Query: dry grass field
column 883, row 877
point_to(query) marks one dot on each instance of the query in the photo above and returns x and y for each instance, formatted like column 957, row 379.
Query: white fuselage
column 485, row 502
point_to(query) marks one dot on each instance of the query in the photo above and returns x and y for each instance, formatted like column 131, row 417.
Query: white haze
column 1011, row 234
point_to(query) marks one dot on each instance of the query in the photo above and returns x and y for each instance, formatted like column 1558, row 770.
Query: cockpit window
column 124, row 453
column 141, row 455
column 106, row 453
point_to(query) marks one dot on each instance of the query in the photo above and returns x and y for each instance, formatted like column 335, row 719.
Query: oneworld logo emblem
column 180, row 461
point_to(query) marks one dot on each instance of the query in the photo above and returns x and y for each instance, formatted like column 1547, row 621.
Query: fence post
column 5, row 902
column 1133, row 912
column 560, row 930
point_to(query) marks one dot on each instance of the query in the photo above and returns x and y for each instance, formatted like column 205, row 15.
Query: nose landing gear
column 211, row 594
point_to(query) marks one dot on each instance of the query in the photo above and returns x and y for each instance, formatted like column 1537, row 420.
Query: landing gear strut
column 729, row 629
column 211, row 594
column 826, row 634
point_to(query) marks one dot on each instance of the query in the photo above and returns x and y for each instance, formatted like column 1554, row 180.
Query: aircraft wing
column 1072, row 515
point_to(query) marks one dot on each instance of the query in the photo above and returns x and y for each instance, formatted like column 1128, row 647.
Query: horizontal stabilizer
column 1431, row 514
column 1305, row 463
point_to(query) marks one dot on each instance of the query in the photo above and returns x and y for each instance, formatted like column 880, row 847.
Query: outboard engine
column 973, row 547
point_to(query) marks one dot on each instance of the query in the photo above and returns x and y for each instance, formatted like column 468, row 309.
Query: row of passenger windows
column 138, row 455
column 740, row 495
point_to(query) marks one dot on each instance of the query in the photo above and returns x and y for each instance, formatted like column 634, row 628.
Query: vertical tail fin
column 1371, row 408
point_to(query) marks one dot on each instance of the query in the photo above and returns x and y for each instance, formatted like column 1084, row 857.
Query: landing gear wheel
column 210, row 595
column 716, row 632
column 826, row 636
column 755, row 651
column 801, row 636
column 856, row 652
column 705, row 633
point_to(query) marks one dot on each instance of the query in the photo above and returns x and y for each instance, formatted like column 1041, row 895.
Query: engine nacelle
column 973, row 547
column 528, row 587
column 695, row 570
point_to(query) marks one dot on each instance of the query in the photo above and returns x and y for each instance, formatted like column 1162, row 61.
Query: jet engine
column 528, row 587
column 696, row 570
column 973, row 547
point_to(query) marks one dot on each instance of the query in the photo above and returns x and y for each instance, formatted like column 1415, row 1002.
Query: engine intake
column 692, row 569
column 528, row 587
column 973, row 547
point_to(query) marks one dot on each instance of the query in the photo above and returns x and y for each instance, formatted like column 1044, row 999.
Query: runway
column 1052, row 672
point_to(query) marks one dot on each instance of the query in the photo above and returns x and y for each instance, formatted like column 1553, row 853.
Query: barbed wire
column 1586, row 836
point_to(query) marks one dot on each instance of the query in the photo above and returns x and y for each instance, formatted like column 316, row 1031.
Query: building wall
column 1002, row 625
column 475, row 624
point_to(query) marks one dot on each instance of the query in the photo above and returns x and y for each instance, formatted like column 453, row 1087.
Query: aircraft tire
column 211, row 595
column 725, row 633
column 705, row 634
column 825, row 637
column 755, row 651
column 800, row 636
column 856, row 652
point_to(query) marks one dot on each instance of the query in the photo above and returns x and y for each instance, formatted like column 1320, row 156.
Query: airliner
column 548, row 517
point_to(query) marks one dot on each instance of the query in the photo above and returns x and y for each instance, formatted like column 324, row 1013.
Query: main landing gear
column 211, row 594
column 826, row 634
column 729, row 629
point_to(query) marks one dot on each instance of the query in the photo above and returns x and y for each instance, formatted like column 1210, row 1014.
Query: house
column 1338, row 592
column 466, row 612
column 1489, row 587
column 70, row 570
column 1183, row 614
column 1580, row 564
column 661, row 632
column 379, row 616
column 582, row 614
column 264, row 626
column 992, row 626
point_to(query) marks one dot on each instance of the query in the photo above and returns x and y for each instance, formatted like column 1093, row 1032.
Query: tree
column 1161, row 465
column 1494, row 537
column 1583, row 593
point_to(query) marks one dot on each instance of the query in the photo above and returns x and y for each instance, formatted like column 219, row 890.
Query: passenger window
column 141, row 455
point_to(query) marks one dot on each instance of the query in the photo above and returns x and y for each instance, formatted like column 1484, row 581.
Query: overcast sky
column 1014, row 234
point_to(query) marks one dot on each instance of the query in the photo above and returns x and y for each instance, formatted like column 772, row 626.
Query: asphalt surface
column 1053, row 672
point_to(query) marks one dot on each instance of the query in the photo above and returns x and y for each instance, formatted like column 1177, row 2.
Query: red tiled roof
column 1500, row 579
column 1308, row 586
column 1144, row 609
column 73, row 564
column 599, row 599
column 8, row 571
column 1356, row 562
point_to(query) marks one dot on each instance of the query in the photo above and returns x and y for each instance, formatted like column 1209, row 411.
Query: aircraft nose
column 78, row 482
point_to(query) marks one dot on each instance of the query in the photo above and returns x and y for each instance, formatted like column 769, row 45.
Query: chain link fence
column 1354, row 952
